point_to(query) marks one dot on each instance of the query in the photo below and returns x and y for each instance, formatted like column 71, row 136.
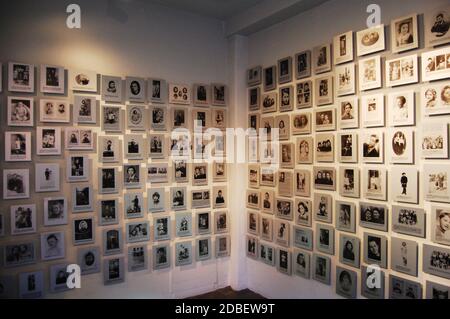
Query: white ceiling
column 218, row 9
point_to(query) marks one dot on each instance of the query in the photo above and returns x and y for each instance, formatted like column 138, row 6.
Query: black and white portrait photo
column 323, row 207
column 18, row 254
column 31, row 285
column 108, row 213
column 321, row 268
column 78, row 168
column 82, row 198
column 346, row 283
column 323, row 90
column 183, row 253
column 23, row 219
column 112, row 241
column 270, row 78
column 325, row 178
column 79, row 139
column 254, row 76
column 112, row 89
column 20, row 111
column 162, row 229
column 112, row 121
column 16, row 183
column 135, row 89
column 137, row 258
column 321, row 58
column 178, row 198
column 373, row 216
column 161, row 257
column 131, row 176
column 179, row 116
column 55, row 211
column 437, row 26
column 52, row 245
column 54, row 111
column 157, row 90
column 109, row 149
column 17, row 146
column 136, row 117
column 48, row 140
column 284, row 261
column 346, row 216
column 303, row 64
column 219, row 196
column 108, row 180
column 83, row 231
column 85, row 109
column 133, row 205
column 89, row 260
column 113, row 271
column 221, row 222
column 201, row 94
column 20, row 77
column 134, row 146
column 201, row 198
column 158, row 118
column 179, row 94
column 375, row 250
column 204, row 249
column 158, row 173
column 203, row 223
column 441, row 222
column 183, row 224
column 349, row 250
column 286, row 98
column 284, row 70
column 372, row 147
column 52, row 79
column 137, row 232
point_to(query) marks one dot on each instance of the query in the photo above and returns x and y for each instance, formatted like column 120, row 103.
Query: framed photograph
column 161, row 257
column 303, row 238
column 348, row 148
column 132, row 203
column 343, row 48
column 301, row 123
column 254, row 97
column 408, row 220
column 370, row 73
column 108, row 180
column 31, row 285
column 84, row 109
column 199, row 174
column 323, row 207
column 282, row 123
column 323, row 90
column 78, row 168
column 269, row 102
column 135, row 89
column 52, row 246
column 108, row 212
column 285, row 70
column 156, row 200
column 157, row 90
column 134, row 146
column 437, row 291
column 219, row 94
column 202, row 95
column 267, row 123
column 321, row 268
column 401, row 145
column 112, row 119
column 162, row 228
column 268, row 176
column 137, row 232
column 440, row 225
column 372, row 150
column 181, row 171
column 203, row 249
column 54, row 111
column 405, row 35
column 270, row 78
column 132, row 176
column 375, row 183
column 373, row 110
column 16, row 183
column 253, row 176
column 402, row 106
column 82, row 198
column 324, row 178
column 254, row 123
column 368, row 289
column 284, row 208
column 404, row 255
column 158, row 173
column 373, row 216
column 20, row 111
column 302, row 182
column 79, row 139
column 266, row 227
column 83, row 80
column 110, row 149
column 285, row 183
column 183, row 253
column 137, row 258
column 435, row 261
column 179, row 117
column 436, row 182
column 348, row 109
column 83, row 231
column 55, row 211
column 324, row 147
column 113, row 271
column 179, row 94
column 287, row 151
column 345, row 79
column 435, row 99
column 178, row 199
column 304, row 94
column 322, row 58
column 47, row 177
column 136, row 117
column 434, row 140
column 253, row 223
column 219, row 171
column 267, row 254
column 89, row 260
column 219, row 118
column 23, row 219
column 252, row 247
column 349, row 181
column 345, row 216
column 203, row 221
column 286, row 97
column 52, row 79
column 112, row 90
column 200, row 198
column 436, row 65
column 284, row 261
column 20, row 77
column 303, row 64
column 221, row 222
column 19, row 254
column 220, row 197
column 402, row 71
column 404, row 184
column 157, row 148
column 201, row 118
column 48, row 140
column 346, row 282
column 254, row 76
column 17, row 146
column 183, row 224
column 325, row 119
column 375, row 250
column 301, row 263
column 370, row 40
column 305, row 150
column 437, row 26
column 112, row 241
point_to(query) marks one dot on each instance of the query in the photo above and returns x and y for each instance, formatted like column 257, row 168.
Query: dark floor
column 228, row 293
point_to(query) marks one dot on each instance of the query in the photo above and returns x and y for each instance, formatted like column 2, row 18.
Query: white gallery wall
column 143, row 40
column 303, row 32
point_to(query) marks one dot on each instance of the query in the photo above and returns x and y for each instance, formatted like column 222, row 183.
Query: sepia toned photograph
column 112, row 89
column 345, row 80
column 109, row 149
column 304, row 94
column 304, row 147
column 435, row 179
column 254, row 76
column 303, row 64
column 282, row 123
column 221, row 222
column 201, row 94
column 324, row 178
column 83, row 80
column 349, row 181
column 435, row 99
column 284, row 208
column 18, row 146
column 401, row 146
column 325, row 119
column 78, row 168
column 435, row 65
column 284, row 70
column 157, row 90
column 343, row 48
column 324, row 241
column 372, row 150
column 112, row 119
column 324, row 147
column 405, row 184
column 135, row 89
column 266, row 227
column 286, row 99
column 323, row 207
column 402, row 71
column 301, row 123
column 370, row 40
column 437, row 26
column 434, row 140
column 375, row 183
column 285, row 183
column 303, row 209
column 401, row 108
column 55, row 211
column 348, row 112
column 302, row 180
column 405, row 34
column 370, row 73
column 54, row 111
column 281, row 232
column 372, row 107
column 321, row 58
column 270, row 78
column 268, row 201
column 323, row 90
column 440, row 225
column 254, row 97
column 348, row 147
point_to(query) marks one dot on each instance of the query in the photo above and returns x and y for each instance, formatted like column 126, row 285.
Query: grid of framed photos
column 363, row 163
column 93, row 177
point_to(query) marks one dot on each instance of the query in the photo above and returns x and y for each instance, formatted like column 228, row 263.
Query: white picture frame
column 201, row 94
column 23, row 219
column 404, row 33
column 158, row 117
column 323, row 90
column 404, row 186
column 157, row 90
column 436, row 29
column 179, row 94
column 109, row 149
column 303, row 64
column 108, row 180
column 348, row 110
column 375, row 183
column 112, row 118
column 435, row 180
column 401, row 108
column 53, row 245
column 53, row 79
column 370, row 40
column 343, row 48
column 401, row 71
column 84, row 109
column 321, row 57
column 136, row 117
column 16, row 183
column 48, row 140
column 20, row 111
column 434, row 140
column 20, row 77
column 135, row 89
column 112, row 89
column 54, row 111
column 435, row 99
column 401, row 146
column 78, row 168
column 372, row 107
column 47, row 177
column 82, row 198
column 55, row 211
column 345, row 79
column 436, row 65
column 370, row 73
column 17, row 146
column 78, row 138
column 349, row 182
column 83, row 80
